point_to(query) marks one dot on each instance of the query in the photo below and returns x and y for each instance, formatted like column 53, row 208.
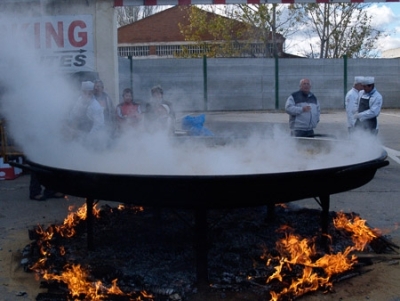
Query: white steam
column 35, row 101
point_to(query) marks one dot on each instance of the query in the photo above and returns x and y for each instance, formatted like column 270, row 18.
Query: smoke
column 36, row 99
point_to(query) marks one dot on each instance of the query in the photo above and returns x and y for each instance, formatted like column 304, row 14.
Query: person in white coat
column 86, row 119
column 369, row 107
column 351, row 102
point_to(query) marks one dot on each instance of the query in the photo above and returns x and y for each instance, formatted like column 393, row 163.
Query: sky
column 385, row 17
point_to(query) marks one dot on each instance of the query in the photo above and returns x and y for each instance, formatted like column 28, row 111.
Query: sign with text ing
column 63, row 42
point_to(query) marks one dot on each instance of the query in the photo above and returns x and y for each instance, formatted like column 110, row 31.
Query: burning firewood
column 135, row 258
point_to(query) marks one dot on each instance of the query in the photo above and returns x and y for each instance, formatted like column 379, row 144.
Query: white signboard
column 63, row 42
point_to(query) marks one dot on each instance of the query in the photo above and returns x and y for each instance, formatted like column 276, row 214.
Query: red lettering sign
column 82, row 35
column 58, row 36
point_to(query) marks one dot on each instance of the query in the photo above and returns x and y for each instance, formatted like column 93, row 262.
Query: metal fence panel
column 250, row 83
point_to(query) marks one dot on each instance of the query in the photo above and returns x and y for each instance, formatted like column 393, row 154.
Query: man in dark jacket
column 304, row 110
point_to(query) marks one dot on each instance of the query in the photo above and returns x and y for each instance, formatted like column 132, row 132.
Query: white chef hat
column 368, row 80
column 87, row 86
column 358, row 79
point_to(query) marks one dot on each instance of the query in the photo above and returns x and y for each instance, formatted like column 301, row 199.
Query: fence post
column 344, row 78
column 131, row 71
column 205, row 82
column 276, row 82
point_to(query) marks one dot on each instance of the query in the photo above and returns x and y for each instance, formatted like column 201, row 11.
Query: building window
column 195, row 49
column 168, row 50
column 258, row 49
column 133, row 51
column 254, row 49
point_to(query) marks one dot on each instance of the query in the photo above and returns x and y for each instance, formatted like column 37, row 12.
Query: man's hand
column 306, row 108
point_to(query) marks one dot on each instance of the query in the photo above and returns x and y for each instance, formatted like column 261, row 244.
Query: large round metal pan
column 209, row 191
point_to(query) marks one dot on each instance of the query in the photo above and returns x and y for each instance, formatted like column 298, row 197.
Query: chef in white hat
column 369, row 106
column 351, row 101
column 86, row 119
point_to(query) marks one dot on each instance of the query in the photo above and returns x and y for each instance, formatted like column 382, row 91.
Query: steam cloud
column 35, row 101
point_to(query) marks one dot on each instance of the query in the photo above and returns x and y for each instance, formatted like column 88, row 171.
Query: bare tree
column 341, row 28
column 270, row 19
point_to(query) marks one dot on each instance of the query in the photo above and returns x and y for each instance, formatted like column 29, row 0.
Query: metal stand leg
column 89, row 223
column 270, row 211
column 325, row 199
column 201, row 246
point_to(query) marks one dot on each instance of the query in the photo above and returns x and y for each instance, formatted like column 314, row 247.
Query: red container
column 7, row 172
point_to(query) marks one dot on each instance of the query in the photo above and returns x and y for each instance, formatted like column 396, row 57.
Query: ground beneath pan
column 152, row 250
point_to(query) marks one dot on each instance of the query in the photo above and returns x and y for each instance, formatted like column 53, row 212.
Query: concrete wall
column 249, row 84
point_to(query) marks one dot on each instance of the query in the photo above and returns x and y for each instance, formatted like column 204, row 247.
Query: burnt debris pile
column 150, row 253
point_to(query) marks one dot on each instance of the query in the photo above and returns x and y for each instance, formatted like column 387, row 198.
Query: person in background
column 351, row 102
column 304, row 110
column 105, row 101
column 128, row 112
column 369, row 107
column 159, row 113
column 86, row 119
column 39, row 193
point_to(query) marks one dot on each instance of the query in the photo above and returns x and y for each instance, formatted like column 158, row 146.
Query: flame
column 39, row 264
column 317, row 273
column 114, row 289
column 134, row 208
column 298, row 264
column 77, row 280
column 361, row 233
column 296, row 251
column 67, row 230
column 74, row 276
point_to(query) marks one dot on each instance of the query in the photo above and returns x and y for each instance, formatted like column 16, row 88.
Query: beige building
column 391, row 53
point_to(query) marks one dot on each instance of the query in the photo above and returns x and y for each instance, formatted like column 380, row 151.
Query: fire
column 67, row 230
column 134, row 208
column 74, row 276
column 317, row 272
column 362, row 234
column 78, row 281
column 299, row 268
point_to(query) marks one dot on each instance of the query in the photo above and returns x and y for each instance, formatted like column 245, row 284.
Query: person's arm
column 375, row 104
column 291, row 107
column 119, row 113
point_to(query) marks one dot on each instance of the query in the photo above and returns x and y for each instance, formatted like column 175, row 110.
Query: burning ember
column 134, row 261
